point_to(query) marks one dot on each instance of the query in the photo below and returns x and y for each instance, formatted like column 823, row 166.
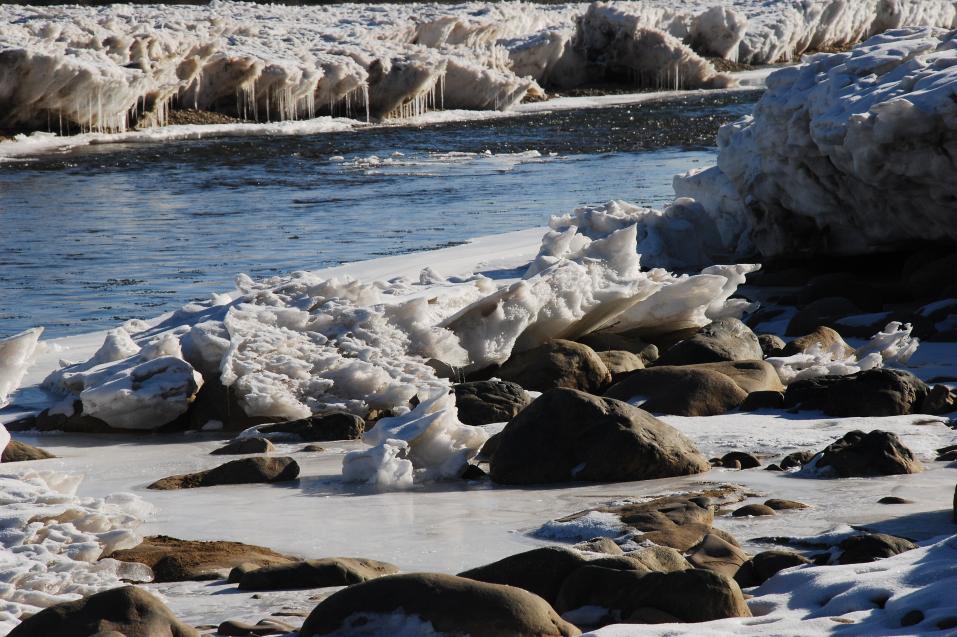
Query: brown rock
column 242, row 446
column 680, row 391
column 825, row 337
column 486, row 401
column 245, row 471
column 17, row 451
column 557, row 363
column 755, row 510
column 784, row 505
column 332, row 571
column 723, row 340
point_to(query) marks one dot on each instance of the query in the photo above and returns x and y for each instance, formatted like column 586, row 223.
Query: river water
column 101, row 234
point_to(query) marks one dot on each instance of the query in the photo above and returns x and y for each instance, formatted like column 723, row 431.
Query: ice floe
column 16, row 355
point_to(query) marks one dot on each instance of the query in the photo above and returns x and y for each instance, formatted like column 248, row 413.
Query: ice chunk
column 16, row 356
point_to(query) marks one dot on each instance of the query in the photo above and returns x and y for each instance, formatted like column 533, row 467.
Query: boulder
column 599, row 545
column 244, row 471
column 681, row 391
column 726, row 339
column 859, row 454
column 451, row 604
column 797, row 459
column 939, row 400
column 752, row 510
column 486, row 401
column 820, row 312
column 771, row 344
column 540, row 571
column 744, row 460
column 557, row 363
column 751, row 376
column 570, row 435
column 784, row 505
column 605, row 341
column 676, row 522
column 716, row 554
column 824, row 337
column 17, row 451
column 758, row 400
column 620, row 363
column 243, row 446
column 331, row 571
column 694, row 595
column 321, row 428
column 875, row 392
column 127, row 611
column 234, row 628
column 764, row 565
column 175, row 560
column 872, row 546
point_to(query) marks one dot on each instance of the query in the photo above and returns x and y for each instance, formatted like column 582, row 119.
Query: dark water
column 107, row 233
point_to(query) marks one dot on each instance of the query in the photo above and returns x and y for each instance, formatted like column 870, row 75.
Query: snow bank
column 849, row 153
column 52, row 540
column 16, row 356
column 892, row 345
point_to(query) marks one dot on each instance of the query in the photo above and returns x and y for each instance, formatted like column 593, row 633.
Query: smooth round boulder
column 765, row 565
column 454, row 605
column 875, row 392
column 17, row 451
column 872, row 546
column 128, row 610
column 726, row 339
column 567, row 435
column 771, row 344
column 483, row 402
column 620, row 363
column 752, row 510
column 557, row 363
column 823, row 337
column 679, row 391
column 859, row 454
column 322, row 573
column 540, row 571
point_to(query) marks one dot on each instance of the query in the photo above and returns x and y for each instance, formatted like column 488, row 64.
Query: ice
column 52, row 541
column 891, row 346
column 586, row 527
column 16, row 355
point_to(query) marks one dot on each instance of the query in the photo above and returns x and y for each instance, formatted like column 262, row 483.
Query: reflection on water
column 107, row 233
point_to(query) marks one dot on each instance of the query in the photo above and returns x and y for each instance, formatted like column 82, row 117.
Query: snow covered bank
column 51, row 541
column 847, row 154
column 110, row 68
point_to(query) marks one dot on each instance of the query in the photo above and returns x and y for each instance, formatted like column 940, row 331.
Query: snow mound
column 16, row 356
column 52, row 539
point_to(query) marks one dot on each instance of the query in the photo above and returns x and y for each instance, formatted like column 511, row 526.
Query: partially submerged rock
column 859, row 454
column 487, row 401
column 243, row 446
column 331, row 571
column 244, row 471
column 875, row 392
column 872, row 546
column 569, row 435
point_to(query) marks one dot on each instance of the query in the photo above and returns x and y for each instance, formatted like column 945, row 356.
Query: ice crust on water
column 892, row 345
column 51, row 541
column 105, row 69
column 16, row 355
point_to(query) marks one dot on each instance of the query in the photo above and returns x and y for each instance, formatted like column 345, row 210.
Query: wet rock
column 451, row 604
column 127, row 610
column 859, row 454
column 797, row 459
column 875, row 392
column 557, row 363
column 620, row 363
column 17, row 451
column 263, row 627
column 744, row 460
column 755, row 510
column 872, row 546
column 689, row 596
column 765, row 565
column 244, row 446
column 332, row 571
column 486, row 401
column 569, row 435
column 771, row 344
column 723, row 340
column 758, row 400
column 820, row 312
column 175, row 560
column 680, row 391
column 824, row 337
column 244, row 471
column 784, row 505
column 321, row 428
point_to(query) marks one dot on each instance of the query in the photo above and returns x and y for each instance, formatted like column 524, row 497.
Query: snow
column 16, row 356
column 52, row 539
column 587, row 527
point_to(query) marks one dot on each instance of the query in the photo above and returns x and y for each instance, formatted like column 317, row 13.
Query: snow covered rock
column 567, row 435
column 16, row 356
column 435, row 604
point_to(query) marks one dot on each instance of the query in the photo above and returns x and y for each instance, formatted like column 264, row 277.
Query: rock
column 17, row 451
column 604, row 341
column 489, row 448
column 557, row 363
column 872, row 546
column 797, row 459
column 175, row 560
column 540, row 571
column 263, row 627
column 784, row 505
column 332, row 571
column 680, row 391
column 892, row 499
column 771, row 344
column 620, row 362
column 321, row 428
column 243, row 446
column 764, row 565
column 486, row 401
column 716, row 554
column 726, row 339
column 660, row 559
column 451, row 604
column 473, row 472
column 820, row 312
column 676, row 522
column 599, row 545
column 875, row 392
column 744, row 460
column 878, row 453
column 751, row 376
column 824, row 337
column 758, row 400
column 939, row 400
column 312, row 448
column 244, row 471
column 689, row 596
column 755, row 510
column 773, row 467
column 215, row 401
column 78, row 422
column 127, row 611
column 570, row 435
